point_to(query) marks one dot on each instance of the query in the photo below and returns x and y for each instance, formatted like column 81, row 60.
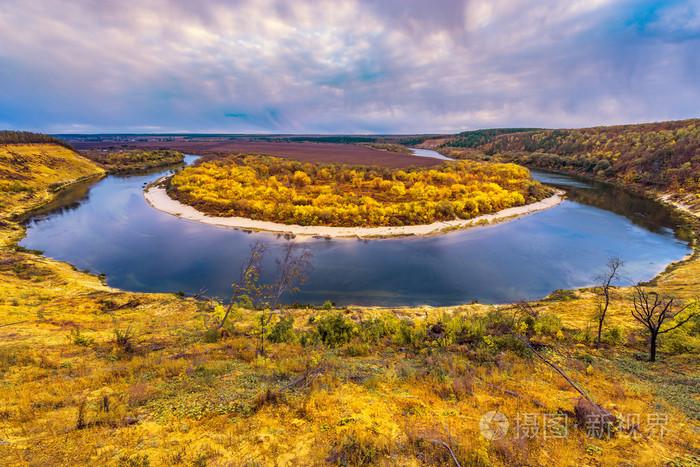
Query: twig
column 12, row 324
column 449, row 449
column 558, row 370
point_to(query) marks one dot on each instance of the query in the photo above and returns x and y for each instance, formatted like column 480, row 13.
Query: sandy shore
column 158, row 198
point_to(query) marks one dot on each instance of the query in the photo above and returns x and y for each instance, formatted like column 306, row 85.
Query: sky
column 356, row 66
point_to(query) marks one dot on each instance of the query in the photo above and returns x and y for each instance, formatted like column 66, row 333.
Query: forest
column 27, row 137
column 134, row 160
column 291, row 192
column 476, row 138
column 661, row 156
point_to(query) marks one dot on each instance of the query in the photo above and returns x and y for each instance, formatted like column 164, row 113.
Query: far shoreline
column 157, row 197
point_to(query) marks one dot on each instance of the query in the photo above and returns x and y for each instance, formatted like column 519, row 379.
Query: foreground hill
column 91, row 375
column 31, row 175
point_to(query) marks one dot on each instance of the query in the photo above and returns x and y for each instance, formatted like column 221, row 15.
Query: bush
column 124, row 339
column 283, row 331
column 410, row 334
column 211, row 335
column 613, row 336
column 375, row 329
column 498, row 323
column 334, row 330
column 547, row 324
column 78, row 338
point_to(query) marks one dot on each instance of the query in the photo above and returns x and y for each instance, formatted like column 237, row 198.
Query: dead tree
column 292, row 271
column 247, row 284
column 606, row 280
column 654, row 310
column 250, row 292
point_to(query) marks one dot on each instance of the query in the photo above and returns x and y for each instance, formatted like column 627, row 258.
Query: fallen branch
column 558, row 370
column 449, row 449
column 12, row 324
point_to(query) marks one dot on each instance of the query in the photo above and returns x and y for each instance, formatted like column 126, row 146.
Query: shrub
column 211, row 335
column 375, row 329
column 357, row 349
column 410, row 334
column 334, row 330
column 124, row 339
column 78, row 338
column 283, row 331
column 356, row 450
column 547, row 324
column 498, row 323
column 613, row 336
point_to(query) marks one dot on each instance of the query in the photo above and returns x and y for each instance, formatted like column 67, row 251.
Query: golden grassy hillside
column 31, row 174
column 91, row 375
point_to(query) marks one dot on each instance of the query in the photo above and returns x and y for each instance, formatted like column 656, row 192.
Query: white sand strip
column 159, row 199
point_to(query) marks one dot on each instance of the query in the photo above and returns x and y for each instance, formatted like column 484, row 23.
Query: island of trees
column 291, row 192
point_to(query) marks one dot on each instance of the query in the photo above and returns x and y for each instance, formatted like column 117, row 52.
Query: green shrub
column 497, row 322
column 375, row 329
column 211, row 335
column 410, row 334
column 547, row 324
column 309, row 338
column 334, row 330
column 466, row 331
column 680, row 341
column 283, row 331
column 78, row 338
column 613, row 336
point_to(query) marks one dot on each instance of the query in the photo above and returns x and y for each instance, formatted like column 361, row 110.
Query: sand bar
column 158, row 198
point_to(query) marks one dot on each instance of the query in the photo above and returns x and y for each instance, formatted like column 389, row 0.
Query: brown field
column 305, row 151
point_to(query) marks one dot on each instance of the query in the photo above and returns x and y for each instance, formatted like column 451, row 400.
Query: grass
column 95, row 375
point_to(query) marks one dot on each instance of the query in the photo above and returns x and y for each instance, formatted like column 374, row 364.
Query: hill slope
column 31, row 173
column 663, row 157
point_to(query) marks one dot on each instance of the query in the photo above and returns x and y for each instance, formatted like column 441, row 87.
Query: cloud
column 345, row 66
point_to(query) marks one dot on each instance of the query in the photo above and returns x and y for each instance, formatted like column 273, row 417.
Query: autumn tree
column 246, row 290
column 606, row 279
column 292, row 271
column 251, row 292
column 654, row 311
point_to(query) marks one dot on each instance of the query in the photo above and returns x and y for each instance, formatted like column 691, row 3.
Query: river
column 109, row 228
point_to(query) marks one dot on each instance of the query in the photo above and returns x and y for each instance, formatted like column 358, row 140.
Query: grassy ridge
column 94, row 375
column 31, row 173
column 476, row 138
column 26, row 137
column 135, row 160
column 663, row 157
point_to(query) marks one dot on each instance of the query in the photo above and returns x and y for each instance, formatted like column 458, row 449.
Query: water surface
column 110, row 229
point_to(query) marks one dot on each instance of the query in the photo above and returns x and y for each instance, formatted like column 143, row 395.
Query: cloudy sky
column 356, row 66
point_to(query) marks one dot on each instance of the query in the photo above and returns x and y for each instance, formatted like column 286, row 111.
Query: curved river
column 109, row 228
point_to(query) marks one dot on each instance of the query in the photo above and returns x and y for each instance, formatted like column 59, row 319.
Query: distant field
column 302, row 151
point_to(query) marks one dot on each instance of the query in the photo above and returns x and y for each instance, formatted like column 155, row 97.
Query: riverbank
column 158, row 198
